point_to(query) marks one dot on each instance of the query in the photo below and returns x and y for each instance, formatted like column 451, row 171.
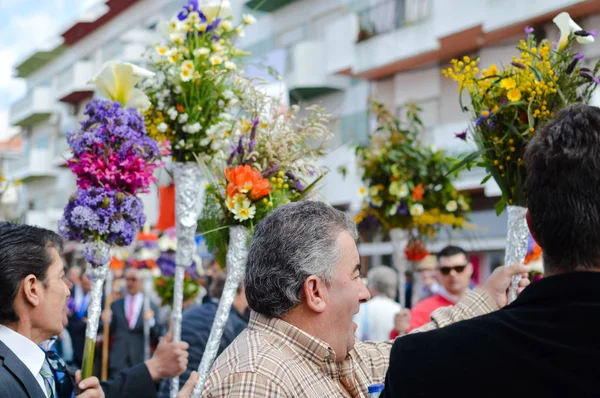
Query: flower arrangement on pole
column 507, row 106
column 407, row 188
column 165, row 283
column 195, row 70
column 406, row 185
column 113, row 160
column 271, row 160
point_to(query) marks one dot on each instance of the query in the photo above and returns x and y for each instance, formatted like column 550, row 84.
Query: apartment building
column 337, row 53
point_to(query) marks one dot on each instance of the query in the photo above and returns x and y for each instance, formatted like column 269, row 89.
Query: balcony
column 36, row 107
column 72, row 83
column 267, row 5
column 37, row 163
column 62, row 151
column 306, row 75
column 47, row 219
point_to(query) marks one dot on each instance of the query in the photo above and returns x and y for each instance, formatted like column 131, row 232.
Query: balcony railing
column 389, row 15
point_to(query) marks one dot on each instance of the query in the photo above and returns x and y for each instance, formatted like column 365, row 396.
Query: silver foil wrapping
column 97, row 277
column 516, row 244
column 400, row 238
column 237, row 252
column 188, row 180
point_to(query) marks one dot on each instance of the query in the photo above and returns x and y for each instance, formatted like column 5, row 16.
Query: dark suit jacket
column 544, row 344
column 127, row 349
column 16, row 380
column 195, row 329
column 133, row 382
column 76, row 328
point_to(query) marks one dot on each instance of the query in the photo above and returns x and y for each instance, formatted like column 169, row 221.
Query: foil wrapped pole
column 400, row 238
column 516, row 244
column 237, row 252
column 147, row 292
column 97, row 275
column 188, row 181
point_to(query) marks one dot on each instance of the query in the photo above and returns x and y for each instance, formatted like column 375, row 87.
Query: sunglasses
column 458, row 268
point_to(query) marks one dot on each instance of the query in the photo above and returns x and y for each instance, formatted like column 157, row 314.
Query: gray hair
column 384, row 280
column 295, row 241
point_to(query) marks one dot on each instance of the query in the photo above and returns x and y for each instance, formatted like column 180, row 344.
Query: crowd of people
column 304, row 323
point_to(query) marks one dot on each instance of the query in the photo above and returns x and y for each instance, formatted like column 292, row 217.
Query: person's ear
column 314, row 290
column 32, row 290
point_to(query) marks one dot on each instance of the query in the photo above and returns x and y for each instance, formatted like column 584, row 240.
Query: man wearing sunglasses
column 454, row 274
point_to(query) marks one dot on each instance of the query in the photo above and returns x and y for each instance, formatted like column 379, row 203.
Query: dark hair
column 23, row 252
column 563, row 188
column 215, row 290
column 450, row 251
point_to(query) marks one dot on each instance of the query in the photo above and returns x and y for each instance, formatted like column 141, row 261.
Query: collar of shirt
column 307, row 346
column 26, row 350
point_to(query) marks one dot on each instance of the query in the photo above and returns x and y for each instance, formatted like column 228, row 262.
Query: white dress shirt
column 27, row 351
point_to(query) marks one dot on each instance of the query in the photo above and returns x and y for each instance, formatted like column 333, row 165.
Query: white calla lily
column 568, row 26
column 116, row 82
column 215, row 8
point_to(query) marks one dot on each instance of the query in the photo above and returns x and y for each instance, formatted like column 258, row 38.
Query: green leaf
column 529, row 115
column 486, row 179
column 467, row 160
column 500, row 206
column 560, row 94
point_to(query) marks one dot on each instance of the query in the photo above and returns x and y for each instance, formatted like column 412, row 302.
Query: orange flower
column 415, row 250
column 417, row 193
column 180, row 108
column 245, row 180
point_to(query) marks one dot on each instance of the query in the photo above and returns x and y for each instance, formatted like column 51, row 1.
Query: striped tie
column 48, row 377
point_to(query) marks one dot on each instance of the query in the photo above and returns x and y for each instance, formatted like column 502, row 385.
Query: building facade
column 337, row 53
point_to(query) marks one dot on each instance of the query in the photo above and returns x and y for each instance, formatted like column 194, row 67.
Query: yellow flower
column 508, row 83
column 226, row 25
column 189, row 65
column 186, row 75
column 249, row 19
column 362, row 191
column 514, row 95
column 377, row 201
column 485, row 113
column 244, row 211
column 216, row 60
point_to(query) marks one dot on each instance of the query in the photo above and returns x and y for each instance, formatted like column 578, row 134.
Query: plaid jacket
column 274, row 359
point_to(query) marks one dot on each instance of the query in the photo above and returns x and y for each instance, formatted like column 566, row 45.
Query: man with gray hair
column 303, row 284
column 375, row 319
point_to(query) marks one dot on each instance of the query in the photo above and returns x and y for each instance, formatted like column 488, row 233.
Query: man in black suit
column 33, row 308
column 544, row 344
column 126, row 317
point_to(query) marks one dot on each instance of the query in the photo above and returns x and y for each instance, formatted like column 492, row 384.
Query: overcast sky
column 26, row 26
